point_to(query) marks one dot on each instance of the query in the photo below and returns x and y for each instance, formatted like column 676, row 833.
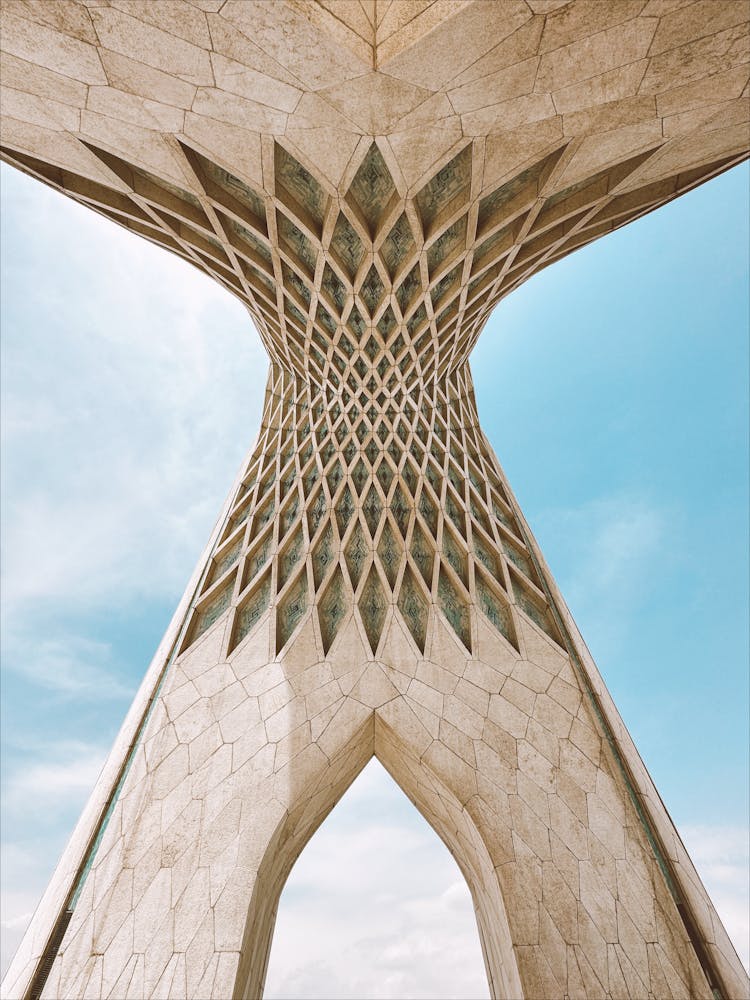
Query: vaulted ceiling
column 633, row 101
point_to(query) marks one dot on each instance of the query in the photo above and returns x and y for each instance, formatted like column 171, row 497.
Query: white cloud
column 52, row 778
column 71, row 665
column 45, row 786
column 16, row 923
column 721, row 855
column 120, row 438
column 17, row 911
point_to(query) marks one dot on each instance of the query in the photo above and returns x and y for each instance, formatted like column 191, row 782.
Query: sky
column 614, row 389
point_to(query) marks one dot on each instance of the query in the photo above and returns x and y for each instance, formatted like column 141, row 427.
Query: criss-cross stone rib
column 303, row 258
column 371, row 177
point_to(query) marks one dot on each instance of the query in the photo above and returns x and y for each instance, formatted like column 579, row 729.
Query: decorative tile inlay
column 332, row 609
column 209, row 611
column 534, row 605
column 372, row 608
column 414, row 609
column 454, row 608
column 323, row 555
column 289, row 558
column 250, row 611
column 389, row 552
column 290, row 611
column 497, row 610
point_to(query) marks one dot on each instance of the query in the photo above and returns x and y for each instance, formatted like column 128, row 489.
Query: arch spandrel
column 373, row 571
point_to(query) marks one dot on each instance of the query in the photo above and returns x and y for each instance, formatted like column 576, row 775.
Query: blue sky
column 614, row 388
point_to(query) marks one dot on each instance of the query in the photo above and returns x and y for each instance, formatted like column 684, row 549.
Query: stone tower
column 371, row 177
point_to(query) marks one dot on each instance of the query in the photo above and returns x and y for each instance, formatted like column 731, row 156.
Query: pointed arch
column 311, row 799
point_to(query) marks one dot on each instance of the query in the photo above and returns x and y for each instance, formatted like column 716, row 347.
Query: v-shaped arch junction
column 377, row 30
column 376, row 904
column 436, row 803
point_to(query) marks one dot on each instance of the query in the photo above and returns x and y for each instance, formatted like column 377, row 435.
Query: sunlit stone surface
column 371, row 178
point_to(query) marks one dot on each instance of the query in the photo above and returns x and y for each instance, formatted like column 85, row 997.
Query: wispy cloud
column 608, row 545
column 17, row 910
column 722, row 856
column 70, row 665
column 52, row 777
column 45, row 787
column 120, row 438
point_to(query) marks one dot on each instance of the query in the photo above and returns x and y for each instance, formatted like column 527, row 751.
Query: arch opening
column 313, row 799
column 375, row 906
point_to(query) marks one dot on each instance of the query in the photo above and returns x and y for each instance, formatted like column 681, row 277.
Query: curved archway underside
column 376, row 903
column 436, row 803
column 371, row 178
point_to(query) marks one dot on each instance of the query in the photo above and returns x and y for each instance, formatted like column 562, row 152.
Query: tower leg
column 245, row 756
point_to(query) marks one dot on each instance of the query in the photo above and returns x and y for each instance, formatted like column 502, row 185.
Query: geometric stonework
column 371, row 179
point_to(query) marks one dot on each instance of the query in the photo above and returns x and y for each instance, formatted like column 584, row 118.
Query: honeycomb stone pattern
column 371, row 473
column 369, row 303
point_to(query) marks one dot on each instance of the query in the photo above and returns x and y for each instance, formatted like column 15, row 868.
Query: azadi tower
column 371, row 177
